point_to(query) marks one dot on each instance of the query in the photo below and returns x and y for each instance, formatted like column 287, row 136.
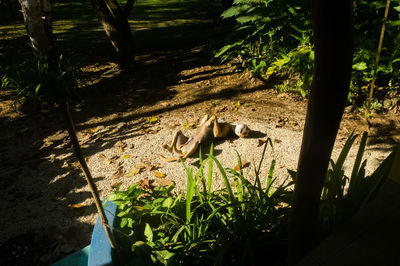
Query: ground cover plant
column 228, row 226
column 275, row 37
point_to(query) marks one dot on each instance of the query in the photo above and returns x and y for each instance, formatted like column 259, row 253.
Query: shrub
column 275, row 36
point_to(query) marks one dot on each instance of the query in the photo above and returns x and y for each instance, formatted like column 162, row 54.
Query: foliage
column 274, row 36
column 220, row 227
column 368, row 23
column 34, row 79
column 271, row 37
column 342, row 196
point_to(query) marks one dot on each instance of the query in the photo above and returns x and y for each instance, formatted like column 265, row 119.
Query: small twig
column 64, row 108
column 371, row 91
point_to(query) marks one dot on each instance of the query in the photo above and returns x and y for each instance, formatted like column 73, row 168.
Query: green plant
column 34, row 80
column 368, row 22
column 271, row 37
column 275, row 36
column 298, row 62
column 219, row 227
column 343, row 195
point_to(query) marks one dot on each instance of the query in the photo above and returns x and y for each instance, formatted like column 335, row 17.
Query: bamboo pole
column 371, row 90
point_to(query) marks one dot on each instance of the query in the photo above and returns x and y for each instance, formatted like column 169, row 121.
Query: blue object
column 100, row 248
column 78, row 258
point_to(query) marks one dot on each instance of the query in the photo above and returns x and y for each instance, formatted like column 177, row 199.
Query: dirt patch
column 42, row 186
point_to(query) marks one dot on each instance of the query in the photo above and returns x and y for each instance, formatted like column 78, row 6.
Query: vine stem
column 64, row 107
column 378, row 54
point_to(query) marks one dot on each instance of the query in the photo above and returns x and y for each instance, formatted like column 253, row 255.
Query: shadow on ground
column 40, row 177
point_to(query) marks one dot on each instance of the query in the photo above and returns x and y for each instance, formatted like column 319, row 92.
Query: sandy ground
column 43, row 190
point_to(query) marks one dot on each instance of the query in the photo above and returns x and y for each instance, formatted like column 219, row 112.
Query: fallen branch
column 64, row 108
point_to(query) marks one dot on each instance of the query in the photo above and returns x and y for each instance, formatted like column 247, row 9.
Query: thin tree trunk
column 333, row 38
column 37, row 17
column 115, row 23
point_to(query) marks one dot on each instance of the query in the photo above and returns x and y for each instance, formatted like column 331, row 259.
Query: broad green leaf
column 167, row 202
column 148, row 233
column 360, row 66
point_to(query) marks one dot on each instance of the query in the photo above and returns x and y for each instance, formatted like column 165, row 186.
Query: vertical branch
column 64, row 108
column 378, row 54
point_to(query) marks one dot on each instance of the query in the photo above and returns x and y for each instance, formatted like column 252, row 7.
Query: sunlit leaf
column 159, row 174
column 76, row 206
column 134, row 171
column 270, row 70
column 148, row 233
column 152, row 119
column 360, row 66
column 164, row 182
column 126, row 156
column 244, row 164
column 145, row 183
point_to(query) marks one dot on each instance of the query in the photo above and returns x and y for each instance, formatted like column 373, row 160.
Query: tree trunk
column 115, row 23
column 38, row 24
column 333, row 39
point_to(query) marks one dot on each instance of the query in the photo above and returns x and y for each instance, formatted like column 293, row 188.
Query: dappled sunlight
column 12, row 31
column 125, row 116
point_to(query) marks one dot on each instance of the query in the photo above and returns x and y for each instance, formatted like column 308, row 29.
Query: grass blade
column 189, row 192
column 355, row 179
column 210, row 172
column 263, row 154
column 270, row 175
column 226, row 181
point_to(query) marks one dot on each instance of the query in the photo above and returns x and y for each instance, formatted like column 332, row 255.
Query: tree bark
column 37, row 17
column 333, row 42
column 115, row 23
